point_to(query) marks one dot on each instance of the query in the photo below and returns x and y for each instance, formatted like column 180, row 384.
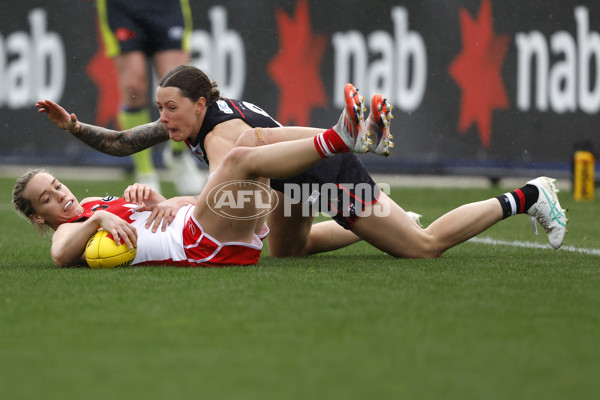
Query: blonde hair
column 23, row 205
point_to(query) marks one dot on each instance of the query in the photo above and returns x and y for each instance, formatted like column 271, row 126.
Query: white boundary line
column 481, row 240
column 530, row 245
column 438, row 181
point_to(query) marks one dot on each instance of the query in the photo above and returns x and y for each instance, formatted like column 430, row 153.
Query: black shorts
column 144, row 25
column 339, row 186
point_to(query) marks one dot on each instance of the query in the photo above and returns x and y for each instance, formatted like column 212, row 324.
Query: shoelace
column 545, row 224
column 535, row 228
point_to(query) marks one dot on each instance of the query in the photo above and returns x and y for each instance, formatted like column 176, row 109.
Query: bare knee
column 424, row 246
column 418, row 253
column 428, row 247
column 428, row 252
column 236, row 159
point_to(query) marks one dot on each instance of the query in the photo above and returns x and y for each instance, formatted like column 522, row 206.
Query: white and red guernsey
column 184, row 243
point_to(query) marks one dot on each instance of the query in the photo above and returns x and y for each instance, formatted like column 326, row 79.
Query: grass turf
column 483, row 321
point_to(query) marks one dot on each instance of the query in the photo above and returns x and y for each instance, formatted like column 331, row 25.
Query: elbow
column 124, row 151
column 246, row 139
column 62, row 261
column 119, row 151
column 113, row 151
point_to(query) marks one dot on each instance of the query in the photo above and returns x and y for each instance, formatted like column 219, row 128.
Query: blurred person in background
column 134, row 33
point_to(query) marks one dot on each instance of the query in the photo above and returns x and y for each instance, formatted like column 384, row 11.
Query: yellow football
column 101, row 251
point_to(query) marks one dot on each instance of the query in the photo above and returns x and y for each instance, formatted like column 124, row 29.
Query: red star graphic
column 296, row 68
column 103, row 73
column 476, row 70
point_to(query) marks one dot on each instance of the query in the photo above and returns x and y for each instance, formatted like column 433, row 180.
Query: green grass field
column 482, row 322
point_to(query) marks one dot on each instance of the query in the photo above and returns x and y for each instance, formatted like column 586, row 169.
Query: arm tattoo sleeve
column 122, row 143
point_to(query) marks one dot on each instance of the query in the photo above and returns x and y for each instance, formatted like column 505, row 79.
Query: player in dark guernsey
column 345, row 169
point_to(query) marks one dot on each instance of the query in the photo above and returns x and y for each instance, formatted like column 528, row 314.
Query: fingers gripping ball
column 101, row 251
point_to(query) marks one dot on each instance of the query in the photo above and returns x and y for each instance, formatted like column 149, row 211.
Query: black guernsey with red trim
column 225, row 110
column 339, row 185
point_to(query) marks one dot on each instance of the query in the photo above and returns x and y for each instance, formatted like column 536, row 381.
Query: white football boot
column 351, row 125
column 547, row 211
column 378, row 126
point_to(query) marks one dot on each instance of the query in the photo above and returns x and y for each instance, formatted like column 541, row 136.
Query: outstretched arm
column 115, row 143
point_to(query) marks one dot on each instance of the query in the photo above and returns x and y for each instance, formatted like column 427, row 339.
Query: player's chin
column 176, row 135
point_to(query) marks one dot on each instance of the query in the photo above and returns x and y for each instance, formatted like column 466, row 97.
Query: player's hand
column 162, row 213
column 58, row 115
column 120, row 229
column 142, row 194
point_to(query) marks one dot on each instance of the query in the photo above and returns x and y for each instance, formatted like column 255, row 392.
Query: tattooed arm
column 122, row 143
column 115, row 143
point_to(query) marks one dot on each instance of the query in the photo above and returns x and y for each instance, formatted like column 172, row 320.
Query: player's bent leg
column 328, row 236
column 464, row 222
column 294, row 235
column 247, row 164
column 277, row 160
column 219, row 212
column 260, row 136
column 386, row 226
column 284, row 134
column 289, row 228
column 393, row 230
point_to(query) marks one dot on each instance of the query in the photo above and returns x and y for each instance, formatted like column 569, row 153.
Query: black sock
column 518, row 201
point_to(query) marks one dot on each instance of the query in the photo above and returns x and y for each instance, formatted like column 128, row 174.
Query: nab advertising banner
column 489, row 87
